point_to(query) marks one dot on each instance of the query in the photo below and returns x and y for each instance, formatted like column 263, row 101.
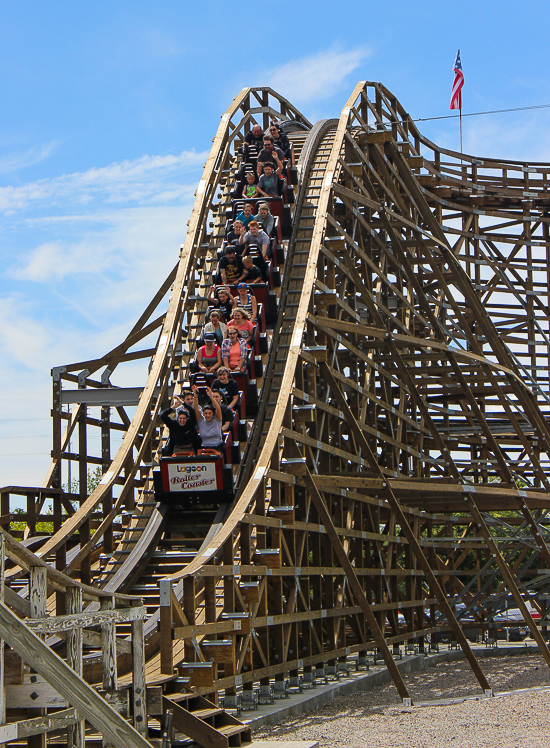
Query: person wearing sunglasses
column 281, row 140
column 234, row 351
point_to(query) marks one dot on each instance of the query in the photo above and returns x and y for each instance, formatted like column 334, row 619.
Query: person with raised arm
column 183, row 434
column 268, row 184
column 255, row 236
column 209, row 422
column 221, row 298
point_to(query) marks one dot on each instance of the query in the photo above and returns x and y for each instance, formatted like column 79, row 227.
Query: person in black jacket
column 185, row 400
column 281, row 140
column 183, row 436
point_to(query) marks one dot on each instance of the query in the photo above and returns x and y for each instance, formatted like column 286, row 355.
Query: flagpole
column 456, row 93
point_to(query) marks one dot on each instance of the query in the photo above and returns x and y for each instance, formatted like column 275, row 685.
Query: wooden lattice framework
column 399, row 463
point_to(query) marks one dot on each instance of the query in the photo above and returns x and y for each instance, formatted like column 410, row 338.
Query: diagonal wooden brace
column 355, row 585
column 407, row 530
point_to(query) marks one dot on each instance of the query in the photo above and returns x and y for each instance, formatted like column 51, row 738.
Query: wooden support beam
column 2, row 648
column 407, row 530
column 88, row 703
column 139, row 686
column 65, row 718
column 165, row 624
column 356, row 587
column 108, row 649
column 75, row 732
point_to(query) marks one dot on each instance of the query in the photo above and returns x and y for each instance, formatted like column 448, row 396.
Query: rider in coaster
column 266, row 218
column 234, row 351
column 227, row 415
column 250, row 188
column 186, row 400
column 209, row 422
column 227, row 386
column 240, row 319
column 221, row 298
column 209, row 355
column 216, row 326
column 246, row 216
column 230, row 265
column 246, row 301
column 183, row 436
column 251, row 273
column 280, row 139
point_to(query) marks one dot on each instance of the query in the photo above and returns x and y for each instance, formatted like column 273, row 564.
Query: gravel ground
column 376, row 718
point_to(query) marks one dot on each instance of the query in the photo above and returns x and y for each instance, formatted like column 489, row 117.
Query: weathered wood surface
column 399, row 460
column 65, row 718
column 88, row 703
column 58, row 624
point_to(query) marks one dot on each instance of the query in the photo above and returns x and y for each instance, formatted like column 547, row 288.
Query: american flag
column 458, row 82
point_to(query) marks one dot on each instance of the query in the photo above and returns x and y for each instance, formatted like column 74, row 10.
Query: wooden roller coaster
column 391, row 474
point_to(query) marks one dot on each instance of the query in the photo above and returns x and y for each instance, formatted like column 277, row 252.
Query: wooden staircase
column 205, row 723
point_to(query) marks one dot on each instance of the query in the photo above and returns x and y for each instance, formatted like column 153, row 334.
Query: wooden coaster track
column 395, row 479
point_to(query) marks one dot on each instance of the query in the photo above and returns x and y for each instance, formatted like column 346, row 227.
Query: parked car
column 506, row 625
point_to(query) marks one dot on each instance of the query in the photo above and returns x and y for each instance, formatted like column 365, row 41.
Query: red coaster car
column 193, row 480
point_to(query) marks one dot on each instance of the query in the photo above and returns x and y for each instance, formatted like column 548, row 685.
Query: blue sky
column 108, row 112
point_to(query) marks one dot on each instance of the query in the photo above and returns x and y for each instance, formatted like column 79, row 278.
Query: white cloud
column 16, row 161
column 115, row 254
column 317, row 76
column 23, row 337
column 139, row 180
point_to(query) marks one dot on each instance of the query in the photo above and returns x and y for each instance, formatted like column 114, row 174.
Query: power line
column 26, row 454
column 478, row 114
column 24, row 436
column 12, row 420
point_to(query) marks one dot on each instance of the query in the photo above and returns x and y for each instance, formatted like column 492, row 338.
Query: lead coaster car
column 193, row 480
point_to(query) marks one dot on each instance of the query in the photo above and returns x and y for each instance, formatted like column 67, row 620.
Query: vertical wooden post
column 2, row 686
column 189, row 603
column 166, row 654
column 32, row 501
column 85, row 566
column 56, row 428
column 139, row 692
column 105, row 462
column 60, row 554
column 5, row 509
column 75, row 733
column 38, row 597
column 209, row 615
column 38, row 591
column 108, row 647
